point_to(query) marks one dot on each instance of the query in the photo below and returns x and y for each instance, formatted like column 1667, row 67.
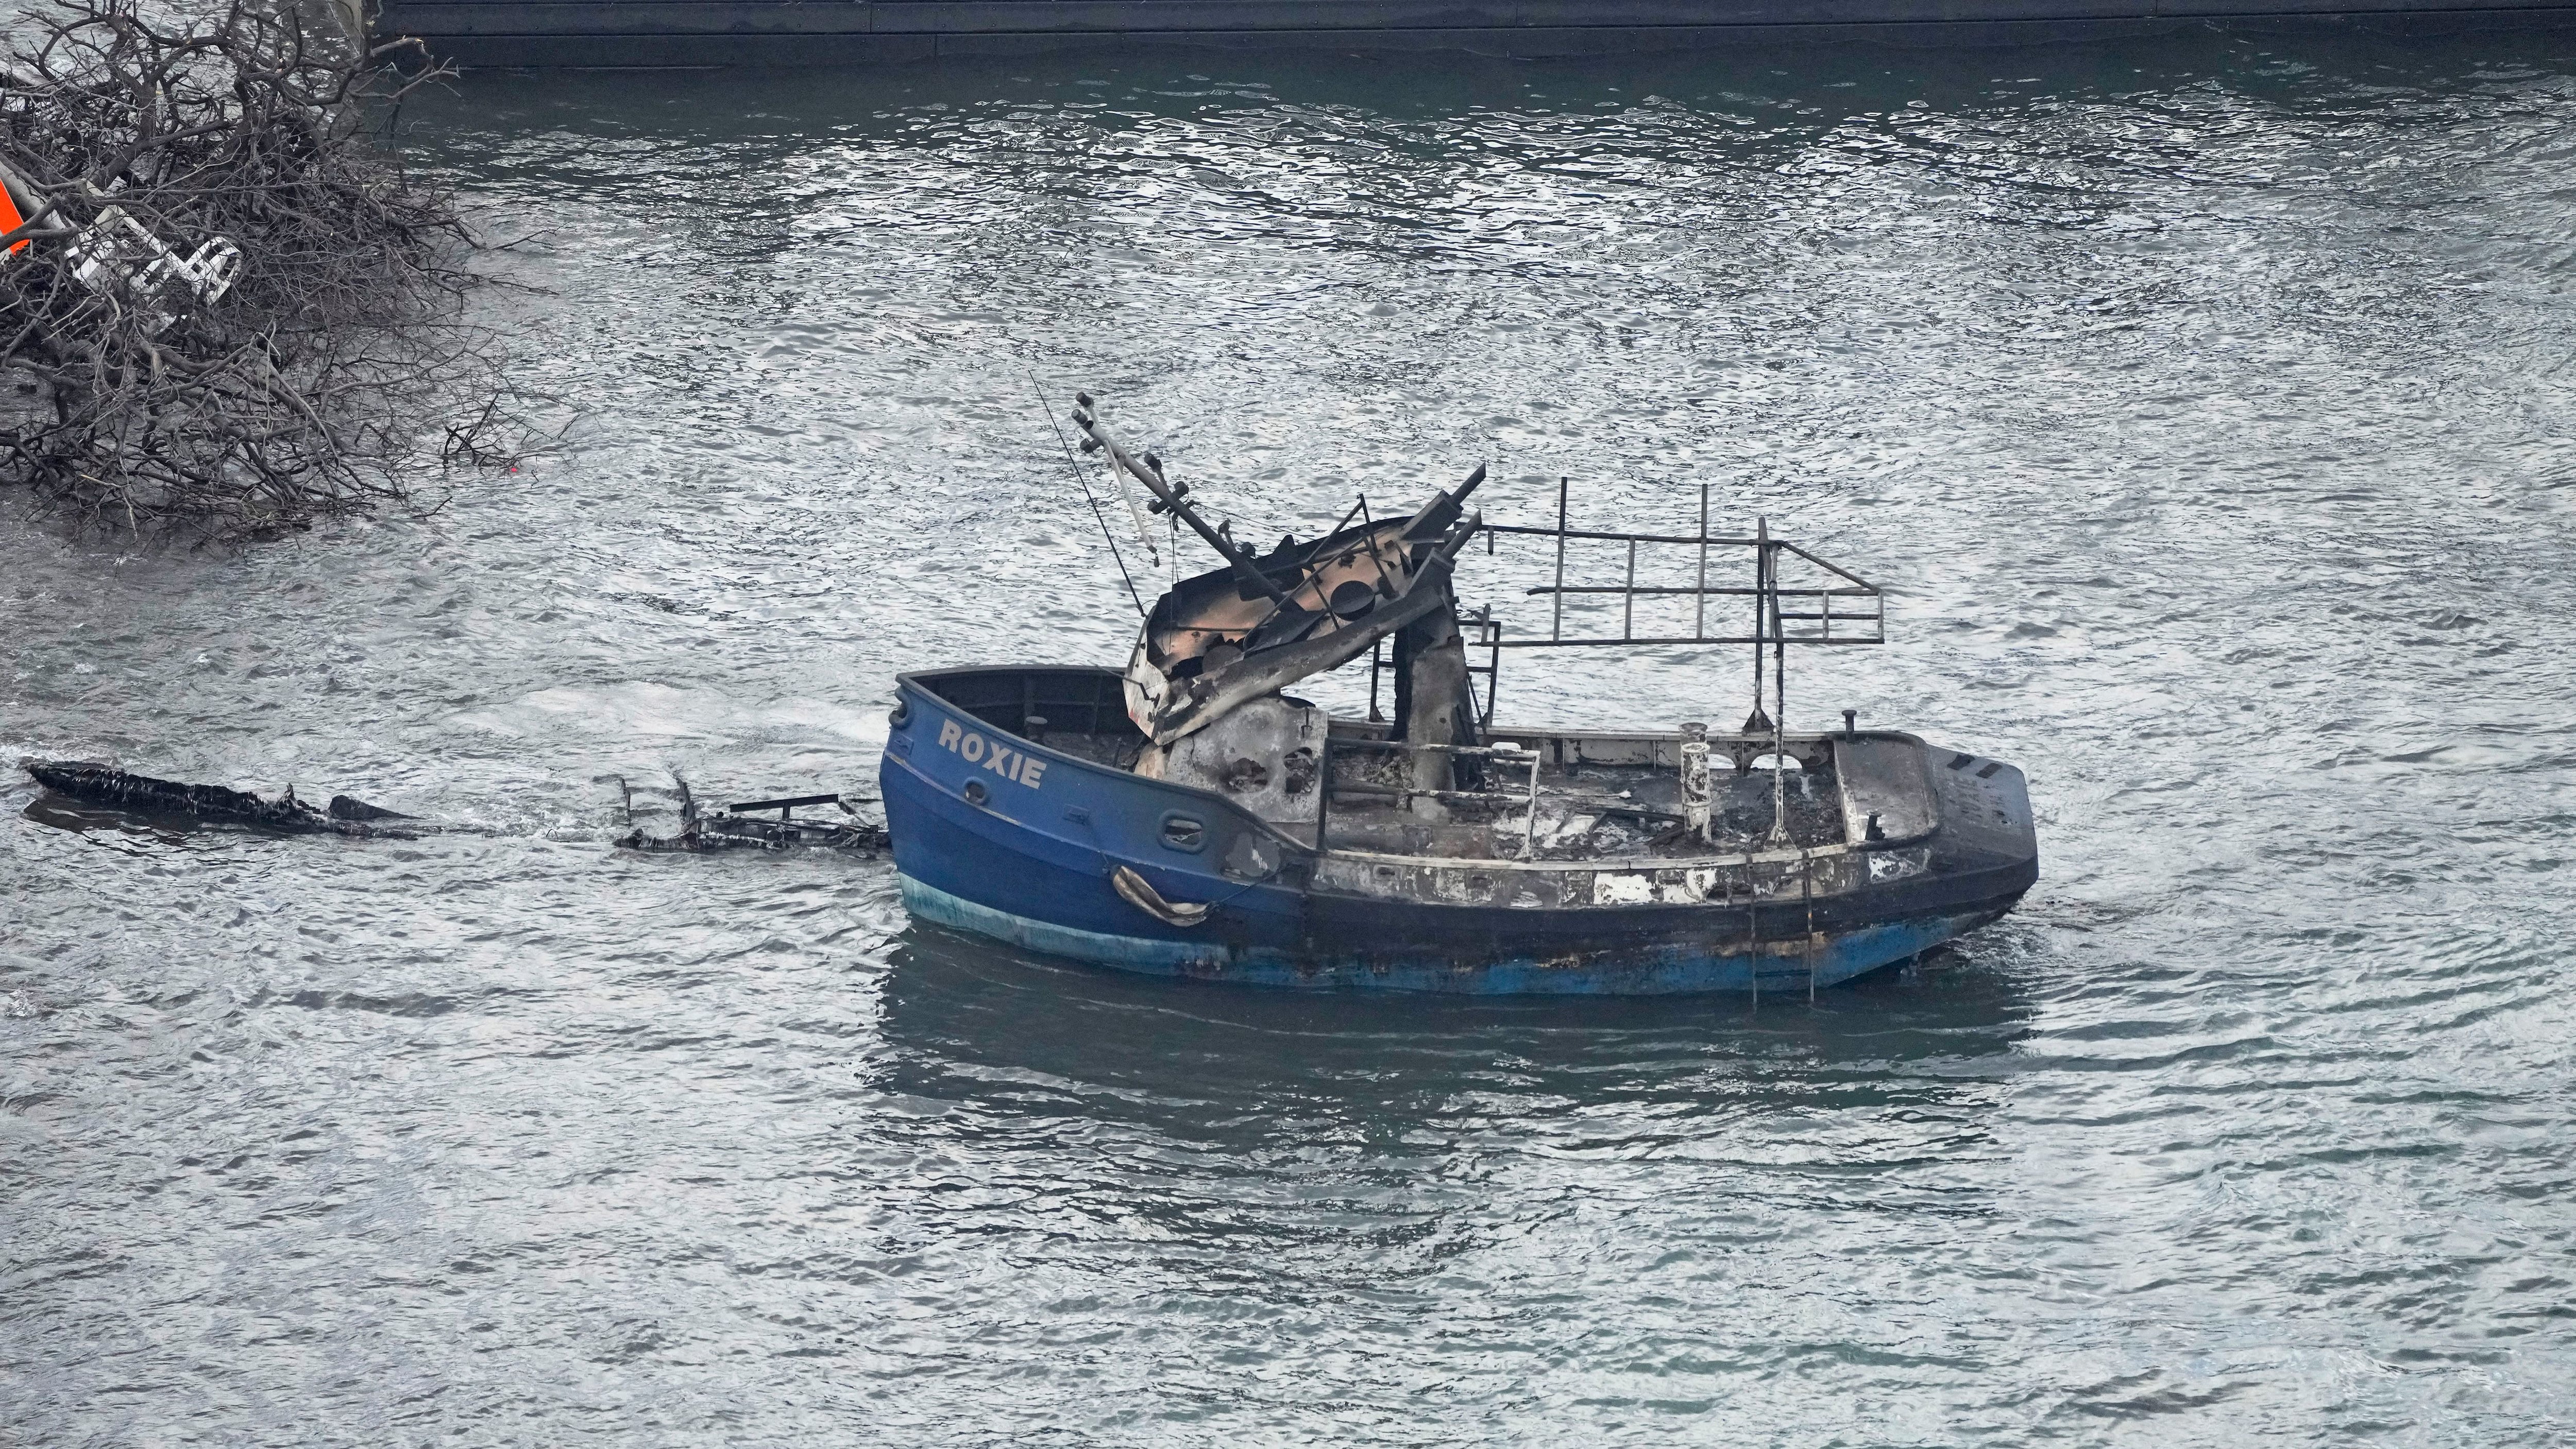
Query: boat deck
column 1602, row 796
column 1586, row 810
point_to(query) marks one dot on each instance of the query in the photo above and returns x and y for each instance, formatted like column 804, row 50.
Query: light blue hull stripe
column 1650, row 971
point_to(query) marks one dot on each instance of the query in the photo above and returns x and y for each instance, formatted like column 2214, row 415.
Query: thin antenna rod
column 1069, row 461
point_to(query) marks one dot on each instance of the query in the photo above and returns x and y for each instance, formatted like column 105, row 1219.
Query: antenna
column 1174, row 503
column 1103, row 518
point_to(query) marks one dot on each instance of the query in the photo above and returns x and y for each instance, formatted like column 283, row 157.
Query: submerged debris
column 100, row 784
column 733, row 828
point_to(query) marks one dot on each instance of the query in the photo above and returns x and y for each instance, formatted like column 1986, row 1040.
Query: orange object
column 10, row 220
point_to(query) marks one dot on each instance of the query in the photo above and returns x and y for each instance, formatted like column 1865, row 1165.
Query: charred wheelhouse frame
column 1775, row 625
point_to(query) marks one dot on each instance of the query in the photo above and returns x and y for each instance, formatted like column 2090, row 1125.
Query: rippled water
column 2205, row 405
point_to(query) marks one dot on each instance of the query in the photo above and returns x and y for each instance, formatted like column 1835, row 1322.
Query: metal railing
column 1863, row 619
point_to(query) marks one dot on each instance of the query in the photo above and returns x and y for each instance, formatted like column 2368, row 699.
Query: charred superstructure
column 1190, row 815
column 1263, row 622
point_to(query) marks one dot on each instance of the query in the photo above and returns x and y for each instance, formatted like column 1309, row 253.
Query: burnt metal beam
column 790, row 803
column 1236, row 555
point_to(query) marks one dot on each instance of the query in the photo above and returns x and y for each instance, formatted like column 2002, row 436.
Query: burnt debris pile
column 226, row 304
column 738, row 827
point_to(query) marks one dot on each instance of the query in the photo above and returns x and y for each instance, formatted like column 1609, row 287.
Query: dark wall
column 835, row 32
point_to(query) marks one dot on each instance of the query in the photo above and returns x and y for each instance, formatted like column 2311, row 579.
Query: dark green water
column 2205, row 405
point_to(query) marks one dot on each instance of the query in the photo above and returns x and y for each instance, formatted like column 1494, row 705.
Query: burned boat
column 1190, row 816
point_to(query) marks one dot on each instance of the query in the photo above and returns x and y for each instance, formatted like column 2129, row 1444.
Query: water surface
column 2204, row 405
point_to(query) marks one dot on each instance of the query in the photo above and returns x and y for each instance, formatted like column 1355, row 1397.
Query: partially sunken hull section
column 1016, row 813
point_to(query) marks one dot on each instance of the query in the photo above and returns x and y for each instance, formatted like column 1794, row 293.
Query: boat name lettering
column 1001, row 759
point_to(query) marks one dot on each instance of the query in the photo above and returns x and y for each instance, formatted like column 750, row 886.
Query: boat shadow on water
column 970, row 1021
column 1360, row 1143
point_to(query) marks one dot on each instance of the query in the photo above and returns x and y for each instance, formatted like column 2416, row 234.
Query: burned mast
column 1220, row 640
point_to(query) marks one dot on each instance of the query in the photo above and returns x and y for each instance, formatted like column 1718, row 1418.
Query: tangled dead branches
column 226, row 307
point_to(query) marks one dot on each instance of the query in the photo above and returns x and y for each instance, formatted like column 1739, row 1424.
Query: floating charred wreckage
column 1190, row 816
column 738, row 826
column 94, row 783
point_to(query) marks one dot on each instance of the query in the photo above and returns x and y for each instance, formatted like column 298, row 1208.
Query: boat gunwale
column 1626, row 865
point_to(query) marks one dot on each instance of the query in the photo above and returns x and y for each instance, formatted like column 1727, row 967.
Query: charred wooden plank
column 102, row 784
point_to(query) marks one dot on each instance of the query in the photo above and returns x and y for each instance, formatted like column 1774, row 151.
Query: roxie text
column 1002, row 760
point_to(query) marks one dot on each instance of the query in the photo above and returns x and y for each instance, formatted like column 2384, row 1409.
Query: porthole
column 976, row 794
column 1182, row 832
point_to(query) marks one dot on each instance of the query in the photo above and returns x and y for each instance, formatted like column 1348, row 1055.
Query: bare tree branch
column 235, row 311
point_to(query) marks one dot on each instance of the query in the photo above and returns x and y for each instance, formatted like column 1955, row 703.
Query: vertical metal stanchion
column 1699, row 628
column 1529, row 838
column 1557, row 630
column 1628, row 615
column 1761, row 548
column 1780, row 696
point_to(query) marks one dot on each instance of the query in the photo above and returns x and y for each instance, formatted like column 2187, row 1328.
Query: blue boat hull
column 1005, row 839
column 1656, row 971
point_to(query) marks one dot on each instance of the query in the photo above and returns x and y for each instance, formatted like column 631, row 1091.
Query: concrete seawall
column 660, row 33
